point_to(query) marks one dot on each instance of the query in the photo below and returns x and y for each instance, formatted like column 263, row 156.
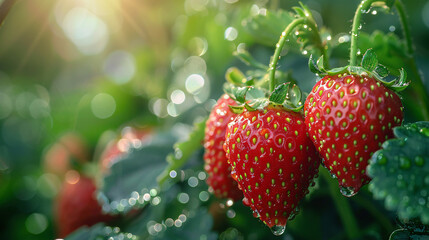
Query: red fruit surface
column 216, row 164
column 77, row 206
column 273, row 161
column 66, row 152
column 348, row 118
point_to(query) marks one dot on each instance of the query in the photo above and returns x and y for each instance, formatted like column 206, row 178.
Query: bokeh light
column 103, row 105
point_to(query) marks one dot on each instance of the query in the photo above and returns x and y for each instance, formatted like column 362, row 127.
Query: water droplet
column 256, row 214
column 381, row 159
column 333, row 175
column 427, row 180
column 291, row 216
column 425, row 131
column 404, row 162
column 347, row 191
column 246, row 201
column 278, row 230
column 420, row 161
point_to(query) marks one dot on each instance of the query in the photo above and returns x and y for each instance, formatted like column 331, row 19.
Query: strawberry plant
column 268, row 120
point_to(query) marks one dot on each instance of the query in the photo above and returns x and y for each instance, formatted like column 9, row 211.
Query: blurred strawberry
column 77, row 206
column 130, row 137
column 65, row 154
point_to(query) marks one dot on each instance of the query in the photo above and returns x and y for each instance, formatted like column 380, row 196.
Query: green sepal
column 400, row 172
column 400, row 83
column 382, row 71
column 234, row 76
column 255, row 93
column 314, row 67
column 369, row 60
column 238, row 94
column 279, row 94
column 335, row 71
column 236, row 109
column 257, row 104
column 294, row 95
column 299, row 11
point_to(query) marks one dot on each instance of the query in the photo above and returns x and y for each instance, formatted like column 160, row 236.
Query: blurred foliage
column 91, row 66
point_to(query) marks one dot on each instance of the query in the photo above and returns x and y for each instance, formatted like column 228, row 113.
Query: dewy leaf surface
column 400, row 172
column 135, row 174
column 100, row 231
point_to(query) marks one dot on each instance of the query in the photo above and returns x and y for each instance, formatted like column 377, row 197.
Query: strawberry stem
column 416, row 90
column 5, row 8
column 279, row 47
column 405, row 26
column 308, row 20
column 362, row 8
column 343, row 207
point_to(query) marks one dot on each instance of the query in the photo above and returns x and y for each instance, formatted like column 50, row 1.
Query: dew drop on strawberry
column 347, row 191
column 256, row 214
column 278, row 230
column 246, row 201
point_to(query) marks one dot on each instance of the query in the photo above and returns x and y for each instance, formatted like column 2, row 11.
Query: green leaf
column 235, row 76
column 198, row 225
column 369, row 60
column 279, row 94
column 245, row 57
column 100, row 231
column 135, row 174
column 184, row 150
column 400, row 172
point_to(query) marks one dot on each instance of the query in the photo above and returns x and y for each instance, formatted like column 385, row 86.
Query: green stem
column 363, row 6
column 343, row 207
column 375, row 212
column 311, row 25
column 405, row 26
column 416, row 90
column 5, row 8
column 279, row 47
column 323, row 51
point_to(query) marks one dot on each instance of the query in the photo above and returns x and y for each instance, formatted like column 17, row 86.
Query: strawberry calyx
column 369, row 67
column 287, row 95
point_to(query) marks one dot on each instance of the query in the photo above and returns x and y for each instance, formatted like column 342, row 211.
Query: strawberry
column 116, row 148
column 273, row 161
column 77, row 206
column 216, row 165
column 67, row 153
column 348, row 117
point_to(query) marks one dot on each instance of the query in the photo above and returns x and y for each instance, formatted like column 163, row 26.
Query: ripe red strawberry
column 77, row 206
column 216, row 164
column 348, row 118
column 273, row 161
